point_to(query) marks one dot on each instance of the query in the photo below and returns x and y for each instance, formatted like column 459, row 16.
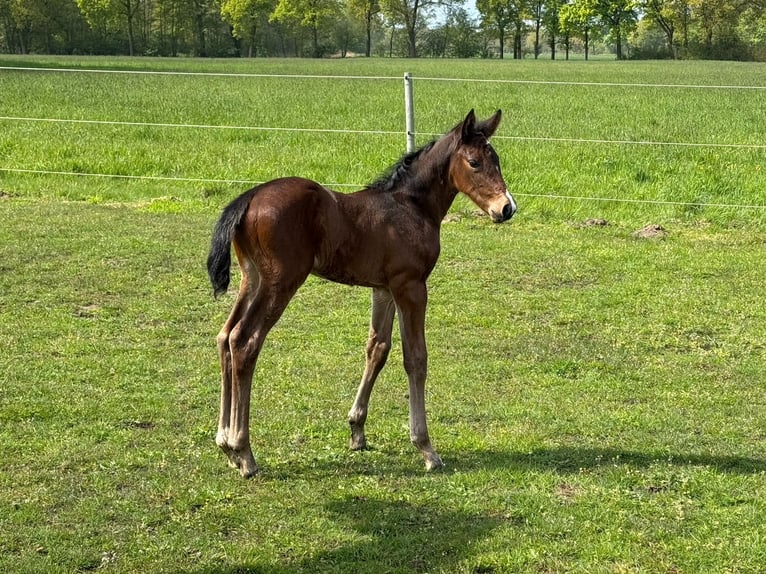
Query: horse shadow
column 559, row 459
column 571, row 459
column 388, row 536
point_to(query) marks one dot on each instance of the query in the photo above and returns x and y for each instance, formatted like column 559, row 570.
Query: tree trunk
column 537, row 39
column 412, row 42
column 553, row 46
column 130, row 37
column 411, row 22
column 368, row 45
column 129, row 13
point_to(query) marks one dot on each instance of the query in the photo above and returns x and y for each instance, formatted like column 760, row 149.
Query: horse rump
column 219, row 258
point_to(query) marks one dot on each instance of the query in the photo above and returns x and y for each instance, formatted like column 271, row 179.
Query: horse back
column 294, row 226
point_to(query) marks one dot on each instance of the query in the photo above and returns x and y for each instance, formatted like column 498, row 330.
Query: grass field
column 598, row 398
column 211, row 151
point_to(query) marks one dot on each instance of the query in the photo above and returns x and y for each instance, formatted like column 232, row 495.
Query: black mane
column 400, row 171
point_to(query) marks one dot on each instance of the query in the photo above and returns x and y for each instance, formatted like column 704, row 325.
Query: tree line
column 717, row 29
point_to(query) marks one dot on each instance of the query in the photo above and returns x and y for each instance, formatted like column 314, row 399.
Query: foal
column 385, row 236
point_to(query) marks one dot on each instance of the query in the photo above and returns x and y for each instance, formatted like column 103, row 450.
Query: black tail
column 219, row 258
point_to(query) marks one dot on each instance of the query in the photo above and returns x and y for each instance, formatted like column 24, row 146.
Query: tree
column 579, row 18
column 504, row 16
column 617, row 15
column 367, row 10
column 347, row 32
column 496, row 15
column 463, row 41
column 410, row 13
column 18, row 17
column 246, row 18
column 537, row 10
column 171, row 22
column 752, row 29
column 47, row 26
column 552, row 24
column 310, row 14
column 110, row 12
column 669, row 15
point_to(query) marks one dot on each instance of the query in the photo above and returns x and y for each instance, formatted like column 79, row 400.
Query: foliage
column 505, row 17
column 247, row 18
column 309, row 14
column 720, row 29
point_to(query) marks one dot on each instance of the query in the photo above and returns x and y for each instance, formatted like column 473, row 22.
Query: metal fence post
column 409, row 112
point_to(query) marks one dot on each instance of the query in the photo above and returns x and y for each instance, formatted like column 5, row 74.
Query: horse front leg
column 411, row 304
column 378, row 346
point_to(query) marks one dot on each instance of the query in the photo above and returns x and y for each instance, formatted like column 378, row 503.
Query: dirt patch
column 137, row 425
column 594, row 222
column 566, row 492
column 88, row 311
column 651, row 231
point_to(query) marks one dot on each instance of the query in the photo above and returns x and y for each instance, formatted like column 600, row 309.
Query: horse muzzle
column 504, row 211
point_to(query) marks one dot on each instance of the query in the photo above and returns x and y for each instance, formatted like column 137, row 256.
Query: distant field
column 558, row 138
column 598, row 398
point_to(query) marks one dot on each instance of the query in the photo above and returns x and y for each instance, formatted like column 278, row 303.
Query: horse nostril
column 507, row 212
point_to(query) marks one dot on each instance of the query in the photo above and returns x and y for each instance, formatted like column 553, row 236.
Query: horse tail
column 219, row 258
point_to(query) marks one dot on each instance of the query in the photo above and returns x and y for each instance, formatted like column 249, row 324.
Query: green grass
column 597, row 398
column 205, row 158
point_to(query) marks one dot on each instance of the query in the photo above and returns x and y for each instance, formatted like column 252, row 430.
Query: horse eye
column 474, row 163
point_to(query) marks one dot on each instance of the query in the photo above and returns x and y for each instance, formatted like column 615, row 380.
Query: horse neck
column 431, row 184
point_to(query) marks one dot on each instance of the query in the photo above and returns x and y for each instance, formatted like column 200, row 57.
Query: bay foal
column 385, row 236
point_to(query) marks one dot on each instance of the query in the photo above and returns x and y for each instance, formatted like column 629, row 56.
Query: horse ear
column 468, row 127
column 489, row 126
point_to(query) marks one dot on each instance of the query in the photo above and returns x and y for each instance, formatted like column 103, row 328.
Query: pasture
column 598, row 398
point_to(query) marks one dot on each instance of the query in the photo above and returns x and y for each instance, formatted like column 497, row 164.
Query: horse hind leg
column 246, row 341
column 248, row 287
column 378, row 346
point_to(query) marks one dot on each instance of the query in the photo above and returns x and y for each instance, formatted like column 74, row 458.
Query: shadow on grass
column 564, row 459
column 388, row 536
column 572, row 459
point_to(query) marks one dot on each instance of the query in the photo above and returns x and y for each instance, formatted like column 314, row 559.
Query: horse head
column 475, row 167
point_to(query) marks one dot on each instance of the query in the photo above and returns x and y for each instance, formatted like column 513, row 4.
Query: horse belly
column 348, row 269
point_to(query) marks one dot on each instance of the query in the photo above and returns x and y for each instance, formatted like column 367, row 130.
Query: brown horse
column 385, row 236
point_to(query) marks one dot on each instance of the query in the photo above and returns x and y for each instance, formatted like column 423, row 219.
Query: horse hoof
column 434, row 462
column 248, row 471
column 358, row 443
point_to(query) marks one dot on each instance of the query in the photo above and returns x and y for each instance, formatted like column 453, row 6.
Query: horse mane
column 402, row 170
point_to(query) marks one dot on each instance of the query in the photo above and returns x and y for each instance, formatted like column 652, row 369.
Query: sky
column 469, row 5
